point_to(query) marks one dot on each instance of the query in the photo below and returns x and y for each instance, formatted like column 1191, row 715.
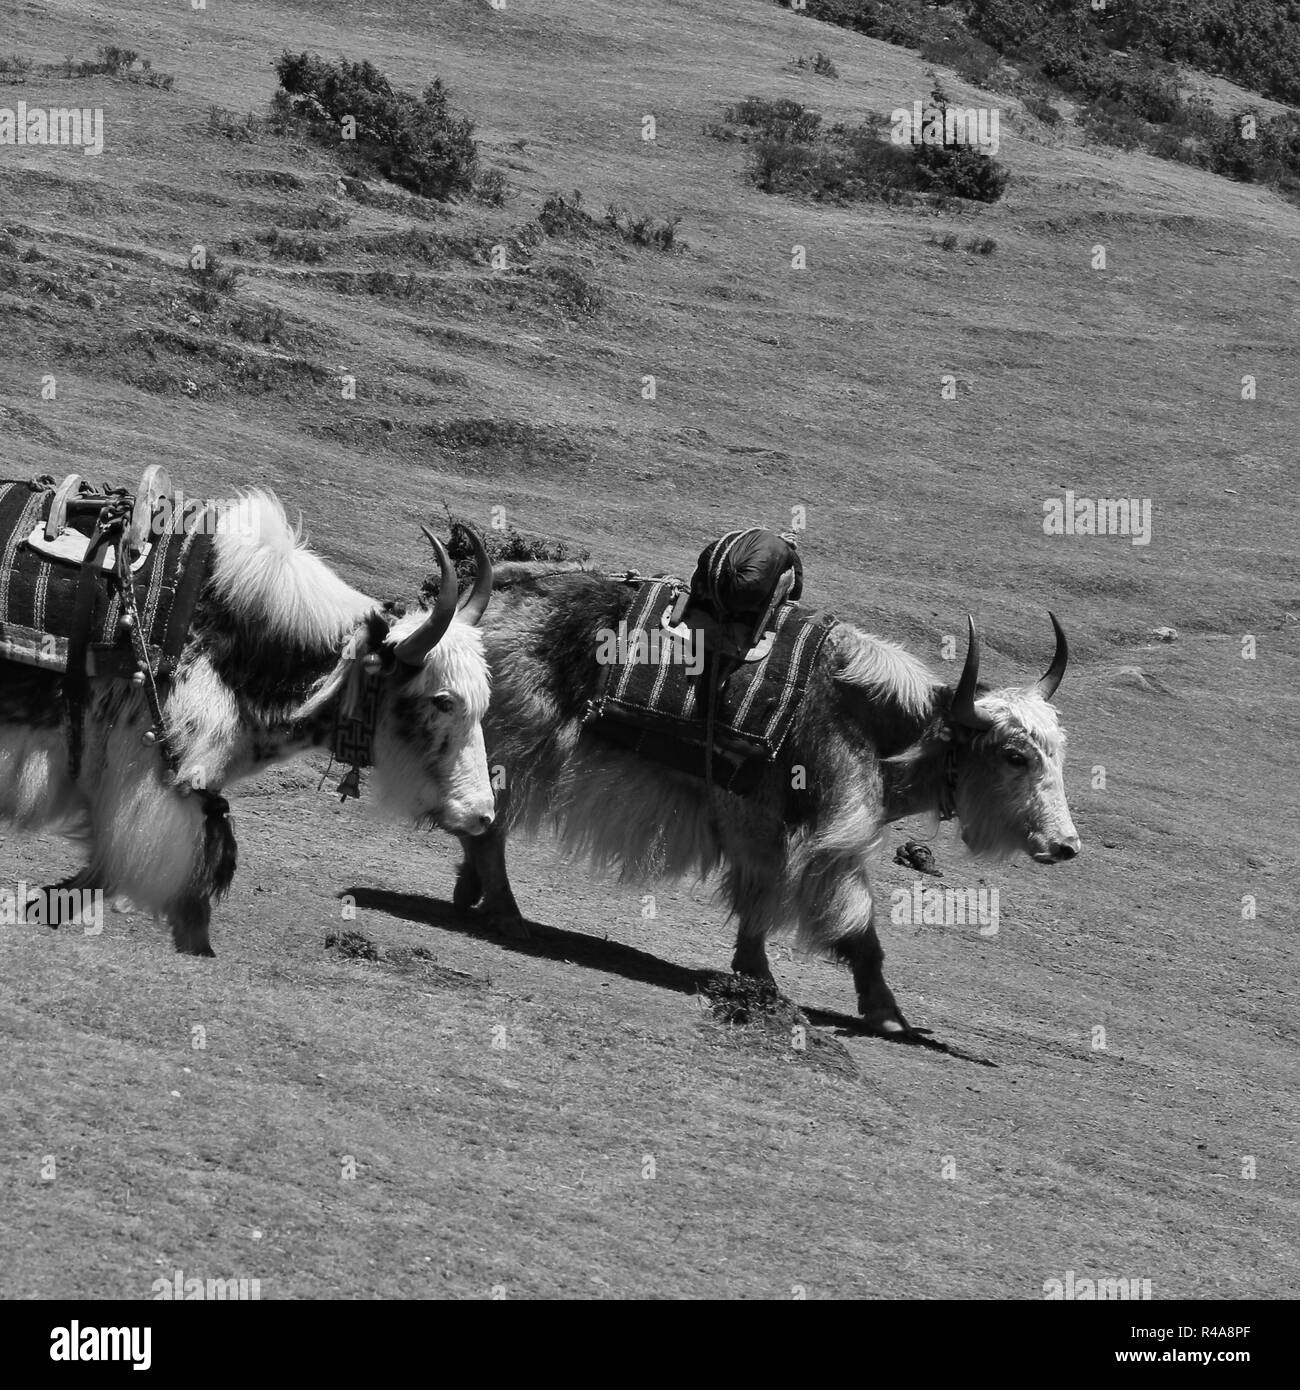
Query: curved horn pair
column 963, row 700
column 414, row 648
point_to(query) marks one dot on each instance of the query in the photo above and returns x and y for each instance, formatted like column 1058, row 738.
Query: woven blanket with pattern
column 38, row 593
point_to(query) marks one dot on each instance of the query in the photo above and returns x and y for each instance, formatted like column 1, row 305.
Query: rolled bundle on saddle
column 740, row 582
column 719, row 698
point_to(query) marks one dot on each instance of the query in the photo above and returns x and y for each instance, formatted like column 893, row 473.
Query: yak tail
column 278, row 591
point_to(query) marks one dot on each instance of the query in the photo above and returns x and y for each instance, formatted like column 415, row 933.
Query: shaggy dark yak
column 878, row 737
column 261, row 677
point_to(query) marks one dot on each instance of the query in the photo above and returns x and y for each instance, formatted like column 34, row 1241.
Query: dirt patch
column 754, row 1013
column 410, row 960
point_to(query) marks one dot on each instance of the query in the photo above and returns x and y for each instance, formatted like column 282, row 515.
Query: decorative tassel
column 351, row 783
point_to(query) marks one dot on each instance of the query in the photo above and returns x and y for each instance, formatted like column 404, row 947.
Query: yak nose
column 1066, row 849
column 485, row 822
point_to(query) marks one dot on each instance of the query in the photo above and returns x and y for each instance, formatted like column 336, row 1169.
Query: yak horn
column 473, row 607
column 1046, row 684
column 412, row 649
column 963, row 700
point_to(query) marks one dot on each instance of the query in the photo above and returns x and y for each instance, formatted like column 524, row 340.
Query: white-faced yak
column 278, row 643
column 877, row 737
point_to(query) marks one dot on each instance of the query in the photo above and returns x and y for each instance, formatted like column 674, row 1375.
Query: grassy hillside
column 522, row 388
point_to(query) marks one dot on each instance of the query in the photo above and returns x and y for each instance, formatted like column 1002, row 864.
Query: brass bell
column 150, row 739
column 137, row 678
column 126, row 622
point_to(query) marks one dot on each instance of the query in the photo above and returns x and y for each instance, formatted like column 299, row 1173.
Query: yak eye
column 444, row 700
column 1016, row 758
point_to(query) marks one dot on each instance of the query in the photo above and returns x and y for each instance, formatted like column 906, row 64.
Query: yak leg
column 835, row 916
column 482, row 876
column 751, row 894
column 170, row 854
column 876, row 1003
column 189, row 920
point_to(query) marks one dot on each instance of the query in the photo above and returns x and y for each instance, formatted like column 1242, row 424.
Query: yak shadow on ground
column 552, row 943
column 849, row 1025
column 614, row 958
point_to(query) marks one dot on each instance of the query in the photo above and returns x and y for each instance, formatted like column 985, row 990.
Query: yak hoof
column 511, row 925
column 882, row 1016
column 890, row 1023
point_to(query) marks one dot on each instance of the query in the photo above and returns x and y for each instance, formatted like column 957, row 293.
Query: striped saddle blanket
column 39, row 592
column 654, row 691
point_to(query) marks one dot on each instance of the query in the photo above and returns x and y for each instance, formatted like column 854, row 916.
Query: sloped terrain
column 575, row 1115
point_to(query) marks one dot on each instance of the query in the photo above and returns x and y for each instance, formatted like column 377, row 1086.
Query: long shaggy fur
column 872, row 742
column 258, row 680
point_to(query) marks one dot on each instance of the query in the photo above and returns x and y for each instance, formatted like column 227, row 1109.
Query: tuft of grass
column 818, row 63
column 290, row 246
column 565, row 217
column 1042, row 109
column 656, row 234
column 212, row 283
column 491, row 187
column 15, row 68
column 260, row 325
column 570, row 289
column 982, row 246
column 230, row 126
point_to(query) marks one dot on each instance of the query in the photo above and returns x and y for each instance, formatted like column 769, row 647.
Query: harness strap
column 76, row 683
column 948, row 788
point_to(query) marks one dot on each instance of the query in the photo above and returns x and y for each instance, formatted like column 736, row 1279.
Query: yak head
column 430, row 760
column 1008, row 759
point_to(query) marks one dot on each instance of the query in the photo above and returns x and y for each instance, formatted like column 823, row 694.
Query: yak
column 277, row 642
column 877, row 738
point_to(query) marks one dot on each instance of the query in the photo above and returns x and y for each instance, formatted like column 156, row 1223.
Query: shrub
column 970, row 57
column 116, row 60
column 892, row 21
column 782, row 119
column 564, row 217
column 961, row 170
column 794, row 154
column 501, row 546
column 1042, row 109
column 415, row 142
